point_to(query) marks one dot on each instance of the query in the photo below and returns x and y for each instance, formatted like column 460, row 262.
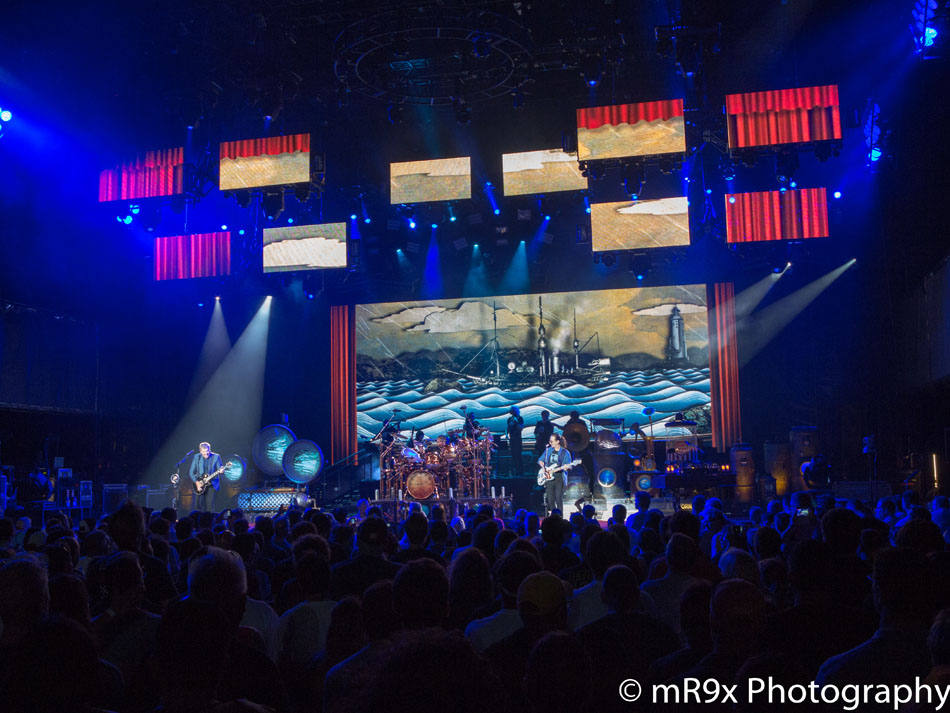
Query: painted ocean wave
column 623, row 395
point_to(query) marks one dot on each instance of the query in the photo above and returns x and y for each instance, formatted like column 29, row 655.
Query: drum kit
column 451, row 465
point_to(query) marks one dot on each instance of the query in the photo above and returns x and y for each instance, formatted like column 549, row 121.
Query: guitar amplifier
column 85, row 493
column 159, row 498
column 113, row 495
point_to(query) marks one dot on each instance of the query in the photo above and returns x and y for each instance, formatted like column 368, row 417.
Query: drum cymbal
column 577, row 436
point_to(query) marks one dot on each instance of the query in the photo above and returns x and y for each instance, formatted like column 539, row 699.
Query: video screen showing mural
column 182, row 257
column 305, row 247
column 777, row 215
column 634, row 225
column 443, row 179
column 274, row 161
column 546, row 171
column 155, row 174
column 783, row 116
column 606, row 354
column 644, row 129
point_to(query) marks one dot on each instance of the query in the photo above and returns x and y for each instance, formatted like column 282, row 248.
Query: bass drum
column 420, row 484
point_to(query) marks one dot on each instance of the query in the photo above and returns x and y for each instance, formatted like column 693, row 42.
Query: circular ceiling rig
column 441, row 56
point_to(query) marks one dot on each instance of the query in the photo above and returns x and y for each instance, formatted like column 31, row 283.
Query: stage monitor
column 645, row 129
column 155, row 174
column 442, row 179
column 431, row 362
column 546, row 171
column 626, row 225
column 305, row 247
column 274, row 161
column 783, row 116
column 180, row 257
column 777, row 215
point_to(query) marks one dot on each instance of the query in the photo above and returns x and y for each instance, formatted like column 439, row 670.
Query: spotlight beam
column 747, row 300
column 216, row 346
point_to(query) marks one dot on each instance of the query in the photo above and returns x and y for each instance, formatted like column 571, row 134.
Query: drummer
column 417, row 441
column 471, row 426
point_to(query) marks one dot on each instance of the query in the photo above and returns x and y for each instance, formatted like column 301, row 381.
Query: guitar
column 546, row 474
column 202, row 482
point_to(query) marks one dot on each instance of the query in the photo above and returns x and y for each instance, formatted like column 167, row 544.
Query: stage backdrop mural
column 606, row 354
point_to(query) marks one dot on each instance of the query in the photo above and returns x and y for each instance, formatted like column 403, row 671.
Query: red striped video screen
column 643, row 129
column 156, row 174
column 181, row 257
column 274, row 161
column 774, row 215
column 783, row 116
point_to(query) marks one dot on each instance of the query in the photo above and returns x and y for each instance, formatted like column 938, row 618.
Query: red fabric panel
column 773, row 215
column 180, row 257
column 159, row 173
column 271, row 146
column 784, row 116
column 342, row 382
column 628, row 113
column 723, row 366
column 782, row 100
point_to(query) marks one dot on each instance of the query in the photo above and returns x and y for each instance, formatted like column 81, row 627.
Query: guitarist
column 203, row 463
column 554, row 455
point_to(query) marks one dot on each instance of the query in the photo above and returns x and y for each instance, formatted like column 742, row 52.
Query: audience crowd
column 312, row 611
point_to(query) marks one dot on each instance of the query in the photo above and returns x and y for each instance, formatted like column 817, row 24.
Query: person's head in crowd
column 756, row 515
column 542, row 602
column 712, row 509
column 619, row 513
column 294, row 515
column 339, row 514
column 772, row 509
column 503, row 540
column 923, row 536
column 371, row 536
column 886, row 508
column 782, row 521
column 281, row 528
column 653, row 519
column 224, row 539
column 577, row 522
column 189, row 629
column 56, row 669
column 437, row 514
column 205, row 520
column 901, row 587
column 69, row 597
column 466, row 682
column 919, row 512
column 421, row 594
column 870, row 543
column 417, row 529
column 560, row 657
column 24, row 598
column 737, row 617
column 184, row 529
column 909, row 498
column 685, row 522
column 621, row 592
column 313, row 575
column 649, row 544
column 345, row 634
column 57, row 559
column 379, row 618
column 841, row 529
column 187, row 548
column 438, row 535
column 642, row 500
column 774, row 577
column 218, row 577
column 310, row 543
column 590, row 529
column 604, row 549
column 552, row 530
column 484, row 538
column 97, row 544
column 469, row 583
column 810, row 569
column 324, row 524
column 739, row 564
column 532, row 524
column 375, row 511
column 694, row 615
column 344, row 537
column 681, row 553
column 121, row 575
column 523, row 544
column 246, row 546
column 240, row 526
column 510, row 571
column 362, row 505
column 589, row 512
column 698, row 504
column 458, row 524
column 160, row 527
column 264, row 524
column 127, row 526
column 304, row 527
column 170, row 514
column 941, row 502
column 623, row 534
column 768, row 543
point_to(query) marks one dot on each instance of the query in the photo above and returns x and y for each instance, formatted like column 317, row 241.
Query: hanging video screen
column 431, row 362
column 152, row 175
column 784, row 116
column 644, row 129
column 777, row 215
column 443, row 179
column 627, row 225
column 182, row 257
column 546, row 171
column 305, row 247
column 273, row 161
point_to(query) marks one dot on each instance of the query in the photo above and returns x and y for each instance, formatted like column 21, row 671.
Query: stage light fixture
column 302, row 192
column 792, row 184
column 217, row 298
column 367, row 220
column 837, row 194
column 243, row 198
column 666, row 166
column 709, row 191
column 396, row 113
column 640, row 265
column 463, row 112
column 224, row 226
column 241, row 231
column 517, row 99
column 547, row 217
column 352, row 216
column 587, row 204
column 290, row 221
column 592, row 70
column 435, row 225
column 412, row 224
column 786, row 163
column 273, row 205
column 609, row 259
column 6, row 115
column 632, row 177
column 732, row 199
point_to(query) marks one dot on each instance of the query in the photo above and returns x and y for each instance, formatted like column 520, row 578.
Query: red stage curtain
column 773, row 215
column 181, row 257
column 783, row 116
column 342, row 382
column 159, row 173
column 723, row 365
column 271, row 146
column 628, row 113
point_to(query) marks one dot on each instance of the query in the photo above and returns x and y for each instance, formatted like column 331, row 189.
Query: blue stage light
column 134, row 209
column 930, row 34
column 452, row 218
column 475, row 246
column 5, row 115
column 352, row 216
column 547, row 217
column 201, row 304
column 412, row 225
column 241, row 231
column 435, row 225
column 837, row 194
column 793, row 184
column 290, row 221
column 310, row 295
column 497, row 211
column 776, row 270
column 639, row 277
column 127, row 220
column 224, row 226
column 367, row 220
column 709, row 191
column 732, row 199
column 875, row 154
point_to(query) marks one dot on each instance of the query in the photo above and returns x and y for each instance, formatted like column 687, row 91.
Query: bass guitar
column 547, row 474
column 202, row 482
